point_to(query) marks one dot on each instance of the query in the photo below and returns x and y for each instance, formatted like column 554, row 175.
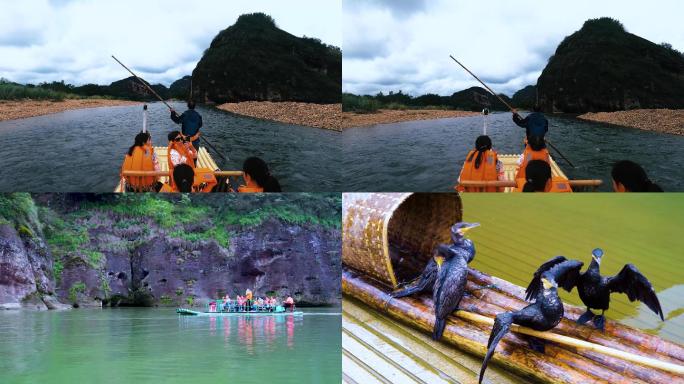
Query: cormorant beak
column 547, row 284
column 462, row 231
column 439, row 259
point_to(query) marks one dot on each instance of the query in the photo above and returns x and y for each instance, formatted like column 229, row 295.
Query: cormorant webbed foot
column 588, row 315
column 600, row 322
column 536, row 344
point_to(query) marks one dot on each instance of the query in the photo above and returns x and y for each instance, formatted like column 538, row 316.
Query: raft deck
column 204, row 160
column 190, row 312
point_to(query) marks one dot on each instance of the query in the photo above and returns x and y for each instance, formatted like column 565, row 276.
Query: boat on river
column 388, row 239
column 510, row 168
column 204, row 160
column 190, row 312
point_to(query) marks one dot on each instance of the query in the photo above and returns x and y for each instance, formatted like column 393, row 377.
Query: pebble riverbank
column 19, row 109
column 659, row 120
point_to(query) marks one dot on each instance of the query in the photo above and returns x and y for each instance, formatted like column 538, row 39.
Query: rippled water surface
column 427, row 155
column 82, row 150
column 157, row 346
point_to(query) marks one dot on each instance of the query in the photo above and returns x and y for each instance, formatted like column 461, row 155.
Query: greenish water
column 131, row 345
column 519, row 232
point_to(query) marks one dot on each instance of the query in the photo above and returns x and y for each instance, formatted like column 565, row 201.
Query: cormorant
column 542, row 315
column 446, row 273
column 595, row 290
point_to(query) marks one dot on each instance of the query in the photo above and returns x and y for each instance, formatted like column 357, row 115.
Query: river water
column 428, row 155
column 522, row 231
column 82, row 150
column 143, row 345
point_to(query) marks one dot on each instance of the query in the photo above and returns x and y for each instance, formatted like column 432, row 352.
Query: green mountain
column 602, row 67
column 476, row 99
column 180, row 89
column 525, row 98
column 130, row 88
column 255, row 60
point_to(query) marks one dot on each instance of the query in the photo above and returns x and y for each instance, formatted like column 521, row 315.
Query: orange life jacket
column 184, row 149
column 558, row 184
column 166, row 188
column 530, row 155
column 204, row 177
column 250, row 188
column 486, row 172
column 142, row 159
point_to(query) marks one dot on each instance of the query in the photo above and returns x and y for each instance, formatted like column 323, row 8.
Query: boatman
column 191, row 122
column 535, row 123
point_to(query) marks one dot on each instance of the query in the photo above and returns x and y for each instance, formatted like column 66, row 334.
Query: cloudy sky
column 72, row 40
column 405, row 44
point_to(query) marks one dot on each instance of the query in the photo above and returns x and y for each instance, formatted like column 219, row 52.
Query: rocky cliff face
column 602, row 67
column 106, row 257
column 255, row 60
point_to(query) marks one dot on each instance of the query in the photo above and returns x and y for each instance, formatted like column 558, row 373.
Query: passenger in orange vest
column 179, row 151
column 628, row 176
column 257, row 177
column 534, row 150
column 481, row 164
column 539, row 179
column 183, row 178
column 141, row 157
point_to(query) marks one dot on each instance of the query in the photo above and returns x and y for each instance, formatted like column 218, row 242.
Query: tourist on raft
column 248, row 300
column 289, row 303
column 180, row 151
column 534, row 150
column 191, row 122
column 141, row 157
column 539, row 179
column 183, row 178
column 628, row 176
column 481, row 164
column 535, row 123
column 257, row 177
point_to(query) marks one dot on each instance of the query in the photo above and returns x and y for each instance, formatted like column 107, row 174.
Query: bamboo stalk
column 566, row 340
column 167, row 173
column 511, row 183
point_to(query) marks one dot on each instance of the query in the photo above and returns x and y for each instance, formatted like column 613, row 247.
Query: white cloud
column 505, row 42
column 72, row 40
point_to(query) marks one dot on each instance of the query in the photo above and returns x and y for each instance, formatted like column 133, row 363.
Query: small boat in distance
column 218, row 308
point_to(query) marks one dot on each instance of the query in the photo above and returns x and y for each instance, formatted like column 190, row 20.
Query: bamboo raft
column 510, row 166
column 204, row 160
column 387, row 239
column 190, row 312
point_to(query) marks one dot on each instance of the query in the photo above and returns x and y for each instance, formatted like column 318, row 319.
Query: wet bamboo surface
column 558, row 364
column 379, row 349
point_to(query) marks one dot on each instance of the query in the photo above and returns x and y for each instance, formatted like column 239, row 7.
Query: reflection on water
column 428, row 155
column 131, row 345
column 82, row 150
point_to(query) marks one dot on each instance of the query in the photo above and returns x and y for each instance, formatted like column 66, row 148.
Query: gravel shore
column 19, row 109
column 658, row 120
column 386, row 116
column 327, row 116
column 330, row 116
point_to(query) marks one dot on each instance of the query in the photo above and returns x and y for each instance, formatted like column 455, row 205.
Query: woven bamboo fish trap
column 388, row 238
column 373, row 221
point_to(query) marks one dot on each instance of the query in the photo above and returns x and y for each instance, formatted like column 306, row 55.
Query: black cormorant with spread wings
column 595, row 290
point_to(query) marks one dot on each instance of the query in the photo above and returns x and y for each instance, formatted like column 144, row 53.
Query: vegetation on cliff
column 255, row 60
column 602, row 67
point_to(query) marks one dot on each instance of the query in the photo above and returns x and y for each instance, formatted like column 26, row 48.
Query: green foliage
column 216, row 233
column 165, row 300
column 94, row 257
column 179, row 291
column 57, row 268
column 104, row 285
column 18, row 208
column 12, row 91
column 359, row 104
column 162, row 211
column 471, row 99
column 190, row 300
column 25, row 231
column 67, row 239
column 76, row 288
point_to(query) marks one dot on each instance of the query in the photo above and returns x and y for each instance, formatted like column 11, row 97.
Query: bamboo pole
column 566, row 340
column 511, row 183
column 483, row 84
column 167, row 173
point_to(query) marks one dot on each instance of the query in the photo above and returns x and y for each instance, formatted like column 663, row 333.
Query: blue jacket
column 535, row 123
column 191, row 121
